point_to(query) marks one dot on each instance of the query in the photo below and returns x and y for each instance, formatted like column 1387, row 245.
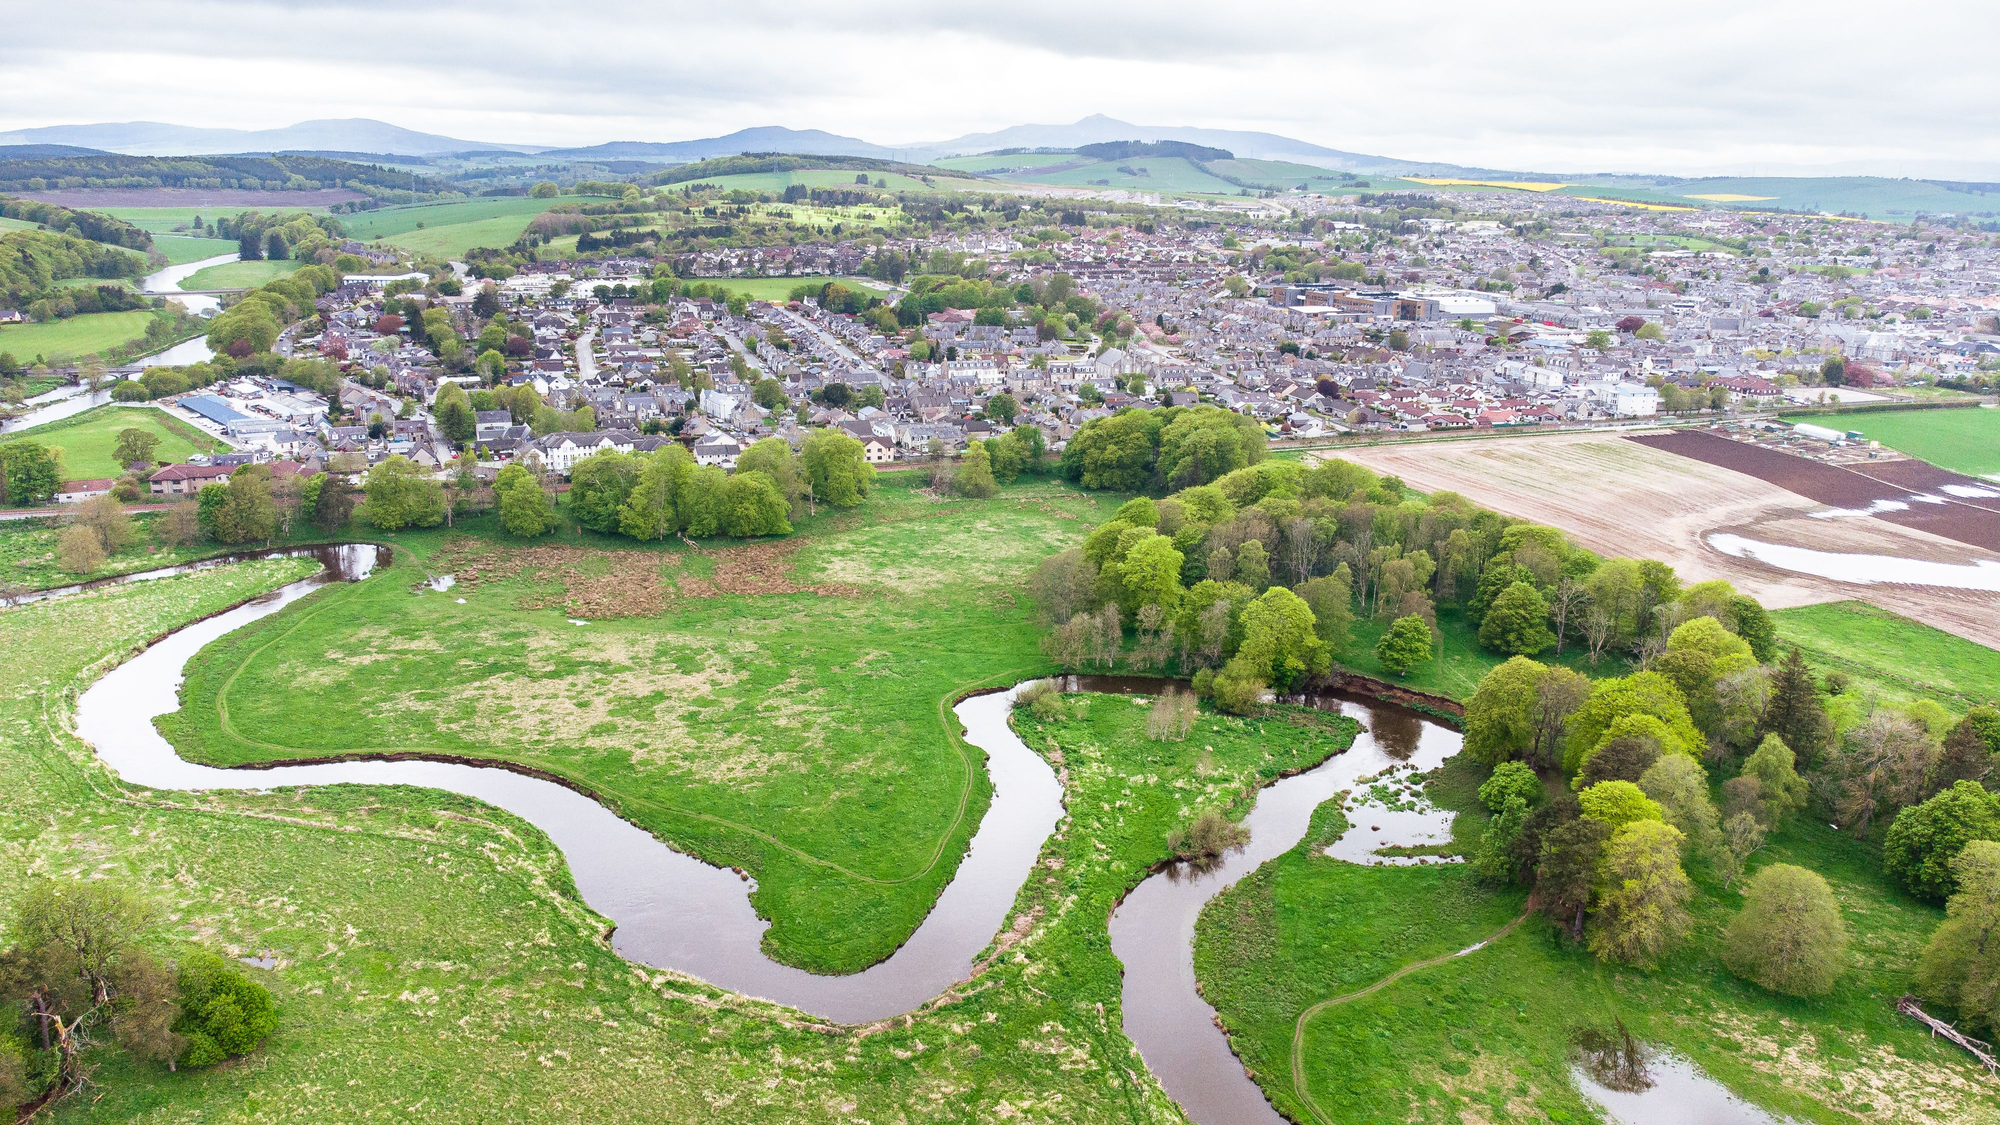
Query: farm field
column 240, row 275
column 1964, row 441
column 709, row 698
column 1895, row 656
column 74, row 337
column 776, row 182
column 7, row 224
column 1489, row 1036
column 1621, row 498
column 87, row 439
column 430, row 951
column 181, row 249
column 1158, row 173
column 170, row 217
column 385, row 221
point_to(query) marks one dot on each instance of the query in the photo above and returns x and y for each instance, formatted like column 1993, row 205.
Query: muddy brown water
column 675, row 912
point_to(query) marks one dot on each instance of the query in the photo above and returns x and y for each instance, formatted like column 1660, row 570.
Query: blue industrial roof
column 214, row 409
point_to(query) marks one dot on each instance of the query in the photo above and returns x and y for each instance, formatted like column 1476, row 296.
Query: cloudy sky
column 1684, row 87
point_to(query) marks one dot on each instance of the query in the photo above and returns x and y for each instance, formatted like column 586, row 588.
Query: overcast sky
column 1683, row 87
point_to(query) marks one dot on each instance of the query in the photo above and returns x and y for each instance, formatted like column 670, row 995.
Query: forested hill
column 751, row 162
column 269, row 173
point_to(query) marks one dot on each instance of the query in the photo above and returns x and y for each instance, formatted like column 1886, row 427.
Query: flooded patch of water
column 1391, row 811
column 1638, row 1084
column 443, row 582
column 1866, row 570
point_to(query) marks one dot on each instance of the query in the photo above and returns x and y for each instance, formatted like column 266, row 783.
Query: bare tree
column 1566, row 603
column 1108, row 637
column 1061, row 585
column 1600, row 628
column 1878, row 770
column 1301, row 549
column 1214, row 625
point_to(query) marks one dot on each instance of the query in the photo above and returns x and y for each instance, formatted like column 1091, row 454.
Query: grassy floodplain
column 710, row 698
column 433, row 961
column 28, row 558
column 76, row 336
column 1487, row 1037
column 240, row 275
column 89, row 439
column 180, row 249
column 1892, row 655
column 779, row 288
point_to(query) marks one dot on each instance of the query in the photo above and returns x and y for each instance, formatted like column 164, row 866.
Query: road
column 586, row 354
column 832, row 343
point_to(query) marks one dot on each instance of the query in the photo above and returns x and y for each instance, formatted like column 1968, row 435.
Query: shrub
column 1207, row 839
column 223, row 1012
column 1406, row 644
column 1510, row 779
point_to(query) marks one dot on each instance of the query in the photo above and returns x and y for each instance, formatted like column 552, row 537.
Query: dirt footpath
column 1622, row 498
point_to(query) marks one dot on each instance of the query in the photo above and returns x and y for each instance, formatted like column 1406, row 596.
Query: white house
column 717, row 449
column 875, row 451
column 561, row 452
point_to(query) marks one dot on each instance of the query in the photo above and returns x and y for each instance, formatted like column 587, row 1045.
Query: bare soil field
column 1968, row 519
column 192, row 197
column 1620, row 497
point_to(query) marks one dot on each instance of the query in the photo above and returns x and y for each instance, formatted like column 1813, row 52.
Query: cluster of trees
column 93, row 225
column 1608, row 858
column 1050, row 303
column 32, row 261
column 1162, row 450
column 79, row 982
column 30, row 473
column 317, row 374
column 280, row 236
column 251, row 325
column 652, row 496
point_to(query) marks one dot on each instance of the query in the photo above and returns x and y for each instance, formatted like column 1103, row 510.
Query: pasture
column 240, row 275
column 180, row 249
column 74, row 337
column 88, row 439
column 1964, row 441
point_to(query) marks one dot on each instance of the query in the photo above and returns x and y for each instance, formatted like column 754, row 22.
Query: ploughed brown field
column 1620, row 497
column 1971, row 520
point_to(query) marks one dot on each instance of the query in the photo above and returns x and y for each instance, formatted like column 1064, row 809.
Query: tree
column 455, row 416
column 328, row 502
column 1879, row 768
column 1150, row 575
column 30, row 473
column 1754, row 625
column 1699, row 651
column 774, row 458
column 1509, row 780
column 78, row 969
column 1618, row 803
column 1642, row 693
column 1517, row 622
column 1780, row 790
column 1497, row 858
column 248, row 512
column 1205, row 443
column 1003, row 408
column 1789, row 936
column 1566, row 870
column 181, row 525
column 1280, row 646
column 1499, row 718
column 223, row 1013
column 837, row 468
column 524, row 508
column 1641, row 896
column 400, row 495
column 135, row 446
column 598, row 487
column 1061, row 585
column 1679, row 785
column 1624, row 755
column 1794, row 711
column 1959, row 965
column 1406, row 644
column 1924, row 839
column 751, row 505
column 78, row 550
column 974, row 477
column 1966, row 757
column 1331, row 599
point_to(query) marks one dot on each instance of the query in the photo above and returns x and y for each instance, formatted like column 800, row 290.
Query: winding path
column 1299, row 1089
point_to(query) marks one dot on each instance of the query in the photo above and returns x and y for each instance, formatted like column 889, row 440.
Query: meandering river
column 675, row 912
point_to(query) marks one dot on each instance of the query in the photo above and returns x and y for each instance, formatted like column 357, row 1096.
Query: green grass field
column 76, row 336
column 1159, row 173
column 1964, row 441
column 776, row 182
column 779, row 288
column 1894, row 656
column 88, row 439
column 181, row 249
column 7, row 224
column 384, row 221
column 1488, row 1036
column 726, row 724
column 240, row 275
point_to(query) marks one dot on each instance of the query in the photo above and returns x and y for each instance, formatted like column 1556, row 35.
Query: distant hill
column 35, row 152
column 770, row 138
column 1099, row 129
column 752, row 163
column 270, row 173
column 154, row 138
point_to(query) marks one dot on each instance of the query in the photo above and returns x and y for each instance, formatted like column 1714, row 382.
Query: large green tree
column 400, row 494
column 751, row 505
column 1517, row 622
column 837, row 468
column 524, row 508
column 1960, row 965
column 1789, row 936
column 1925, row 838
column 598, row 487
column 30, row 473
column 1642, row 894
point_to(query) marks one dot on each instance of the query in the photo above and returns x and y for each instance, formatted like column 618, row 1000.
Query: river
column 167, row 283
column 675, row 912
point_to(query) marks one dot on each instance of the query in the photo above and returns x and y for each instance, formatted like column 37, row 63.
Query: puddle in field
column 1391, row 811
column 1866, row 570
column 1635, row 1083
